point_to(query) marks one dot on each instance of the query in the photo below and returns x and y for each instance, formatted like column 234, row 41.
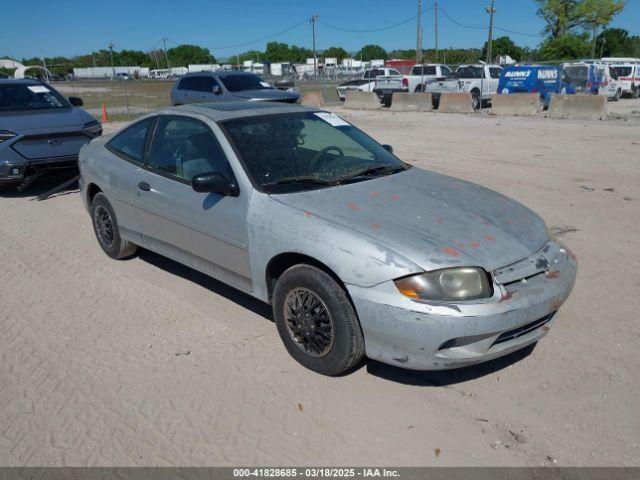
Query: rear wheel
column 617, row 95
column 106, row 229
column 316, row 321
column 635, row 91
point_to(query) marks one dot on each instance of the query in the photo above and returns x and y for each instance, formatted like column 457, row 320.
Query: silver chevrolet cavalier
column 358, row 252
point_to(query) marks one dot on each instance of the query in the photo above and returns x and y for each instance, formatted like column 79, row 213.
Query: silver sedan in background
column 358, row 252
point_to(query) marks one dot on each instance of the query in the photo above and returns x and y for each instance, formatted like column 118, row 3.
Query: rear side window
column 190, row 83
column 424, row 70
column 494, row 72
column 131, row 142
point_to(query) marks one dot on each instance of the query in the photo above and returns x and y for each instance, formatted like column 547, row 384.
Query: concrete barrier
column 586, row 107
column 411, row 102
column 357, row 100
column 518, row 104
column 455, row 103
column 312, row 99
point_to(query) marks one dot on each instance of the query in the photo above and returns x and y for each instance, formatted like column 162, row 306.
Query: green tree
column 614, row 42
column 568, row 46
column 300, row 54
column 183, row 55
column 335, row 52
column 503, row 46
column 277, row 52
column 372, row 52
column 563, row 16
column 255, row 55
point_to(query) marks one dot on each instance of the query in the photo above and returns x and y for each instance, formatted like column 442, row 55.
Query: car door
column 190, row 90
column 206, row 231
column 207, row 94
column 129, row 146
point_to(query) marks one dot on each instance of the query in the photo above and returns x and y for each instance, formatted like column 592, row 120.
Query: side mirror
column 388, row 148
column 214, row 182
column 217, row 90
column 76, row 102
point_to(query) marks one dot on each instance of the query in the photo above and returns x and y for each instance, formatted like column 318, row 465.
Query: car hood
column 432, row 219
column 46, row 121
column 265, row 94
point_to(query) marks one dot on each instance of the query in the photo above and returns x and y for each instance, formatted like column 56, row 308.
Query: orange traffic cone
column 105, row 117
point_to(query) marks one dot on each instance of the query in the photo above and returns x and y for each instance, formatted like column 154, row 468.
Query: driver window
column 184, row 147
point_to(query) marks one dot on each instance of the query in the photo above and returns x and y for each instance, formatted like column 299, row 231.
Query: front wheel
column 106, row 229
column 475, row 101
column 316, row 321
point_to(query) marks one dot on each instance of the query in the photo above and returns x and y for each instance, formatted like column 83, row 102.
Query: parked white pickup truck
column 480, row 80
column 420, row 74
column 367, row 83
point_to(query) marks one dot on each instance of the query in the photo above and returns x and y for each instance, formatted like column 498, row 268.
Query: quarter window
column 131, row 142
column 185, row 147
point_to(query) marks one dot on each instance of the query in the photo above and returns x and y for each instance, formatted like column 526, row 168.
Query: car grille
column 520, row 331
column 37, row 146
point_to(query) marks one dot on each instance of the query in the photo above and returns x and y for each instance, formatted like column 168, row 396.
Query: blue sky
column 74, row 27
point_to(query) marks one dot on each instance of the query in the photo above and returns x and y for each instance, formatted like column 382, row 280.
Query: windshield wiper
column 299, row 180
column 374, row 172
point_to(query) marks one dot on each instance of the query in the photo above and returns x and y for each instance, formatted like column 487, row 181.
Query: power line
column 474, row 27
column 516, row 33
column 263, row 38
column 374, row 29
column 477, row 27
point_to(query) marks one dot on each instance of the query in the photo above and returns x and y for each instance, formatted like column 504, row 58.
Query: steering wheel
column 320, row 155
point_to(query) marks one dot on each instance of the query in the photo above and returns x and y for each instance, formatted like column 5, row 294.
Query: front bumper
column 18, row 171
column 422, row 336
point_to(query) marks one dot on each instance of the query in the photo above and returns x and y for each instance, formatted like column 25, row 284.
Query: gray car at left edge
column 358, row 252
column 41, row 132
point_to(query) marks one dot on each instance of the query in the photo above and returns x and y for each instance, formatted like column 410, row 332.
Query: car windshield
column 469, row 72
column 302, row 151
column 238, row 83
column 576, row 73
column 20, row 97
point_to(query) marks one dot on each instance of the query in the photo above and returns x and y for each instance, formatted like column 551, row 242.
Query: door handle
column 144, row 186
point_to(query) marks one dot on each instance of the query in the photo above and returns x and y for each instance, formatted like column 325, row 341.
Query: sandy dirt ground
column 94, row 367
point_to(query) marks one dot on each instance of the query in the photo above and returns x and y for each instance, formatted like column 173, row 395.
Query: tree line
column 573, row 29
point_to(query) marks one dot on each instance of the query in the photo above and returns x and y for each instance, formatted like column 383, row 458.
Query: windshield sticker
column 265, row 84
column 332, row 119
column 38, row 89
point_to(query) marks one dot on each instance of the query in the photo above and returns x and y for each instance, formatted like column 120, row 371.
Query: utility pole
column 113, row 70
column 44, row 63
column 435, row 9
column 164, row 43
column 313, row 20
column 491, row 11
column 419, row 34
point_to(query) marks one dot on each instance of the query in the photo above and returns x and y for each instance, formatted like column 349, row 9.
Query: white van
column 628, row 78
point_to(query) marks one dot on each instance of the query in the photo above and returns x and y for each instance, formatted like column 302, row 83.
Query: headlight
column 93, row 128
column 6, row 135
column 449, row 284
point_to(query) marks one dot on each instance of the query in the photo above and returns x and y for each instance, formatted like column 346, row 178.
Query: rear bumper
column 421, row 336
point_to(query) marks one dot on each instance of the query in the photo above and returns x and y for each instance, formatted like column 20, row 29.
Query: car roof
column 215, row 74
column 226, row 110
column 21, row 81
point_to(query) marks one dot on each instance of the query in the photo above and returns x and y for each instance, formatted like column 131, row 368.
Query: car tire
column 105, row 227
column 617, row 95
column 323, row 333
column 635, row 93
column 475, row 101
